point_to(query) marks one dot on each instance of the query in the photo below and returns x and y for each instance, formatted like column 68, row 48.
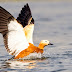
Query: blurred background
column 53, row 21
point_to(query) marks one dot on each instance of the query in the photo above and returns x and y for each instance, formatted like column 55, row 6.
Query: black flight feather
column 25, row 15
column 5, row 18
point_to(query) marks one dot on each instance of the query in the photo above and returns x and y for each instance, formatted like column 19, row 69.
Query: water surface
column 53, row 21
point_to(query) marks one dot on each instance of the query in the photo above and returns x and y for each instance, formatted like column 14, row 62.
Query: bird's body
column 18, row 34
column 30, row 50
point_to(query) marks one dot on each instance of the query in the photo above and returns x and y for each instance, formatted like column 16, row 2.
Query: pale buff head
column 44, row 43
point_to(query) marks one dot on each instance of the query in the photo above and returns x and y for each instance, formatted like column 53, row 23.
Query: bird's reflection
column 21, row 64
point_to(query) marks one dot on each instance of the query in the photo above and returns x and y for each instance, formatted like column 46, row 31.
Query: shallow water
column 53, row 21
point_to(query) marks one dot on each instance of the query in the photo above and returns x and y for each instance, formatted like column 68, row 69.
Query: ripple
column 70, row 44
column 59, row 70
column 45, row 19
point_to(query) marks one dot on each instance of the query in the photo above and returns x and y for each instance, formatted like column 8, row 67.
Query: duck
column 18, row 34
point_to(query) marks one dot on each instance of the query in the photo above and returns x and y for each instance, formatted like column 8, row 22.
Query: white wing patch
column 29, row 32
column 16, row 38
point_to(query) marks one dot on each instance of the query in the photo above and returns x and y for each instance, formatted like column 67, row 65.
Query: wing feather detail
column 13, row 34
column 25, row 15
column 26, row 20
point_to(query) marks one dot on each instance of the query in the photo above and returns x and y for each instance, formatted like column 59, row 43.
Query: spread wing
column 25, row 18
column 13, row 34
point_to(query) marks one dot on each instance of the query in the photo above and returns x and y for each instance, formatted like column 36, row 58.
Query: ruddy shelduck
column 18, row 34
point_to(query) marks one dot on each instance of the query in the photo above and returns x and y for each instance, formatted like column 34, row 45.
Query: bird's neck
column 41, row 46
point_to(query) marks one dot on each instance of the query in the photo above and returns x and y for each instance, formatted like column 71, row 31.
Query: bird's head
column 44, row 43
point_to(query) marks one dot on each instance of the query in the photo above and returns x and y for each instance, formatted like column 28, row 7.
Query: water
column 53, row 21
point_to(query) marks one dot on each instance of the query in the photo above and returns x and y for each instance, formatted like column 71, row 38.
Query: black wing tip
column 1, row 7
column 26, row 7
column 5, row 15
column 5, row 18
column 27, row 4
column 24, row 15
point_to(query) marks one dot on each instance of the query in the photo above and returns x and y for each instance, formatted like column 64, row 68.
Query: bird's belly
column 33, row 56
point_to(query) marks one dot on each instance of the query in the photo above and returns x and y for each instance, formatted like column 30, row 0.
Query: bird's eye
column 45, row 41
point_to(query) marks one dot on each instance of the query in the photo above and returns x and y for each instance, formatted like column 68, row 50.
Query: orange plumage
column 30, row 49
